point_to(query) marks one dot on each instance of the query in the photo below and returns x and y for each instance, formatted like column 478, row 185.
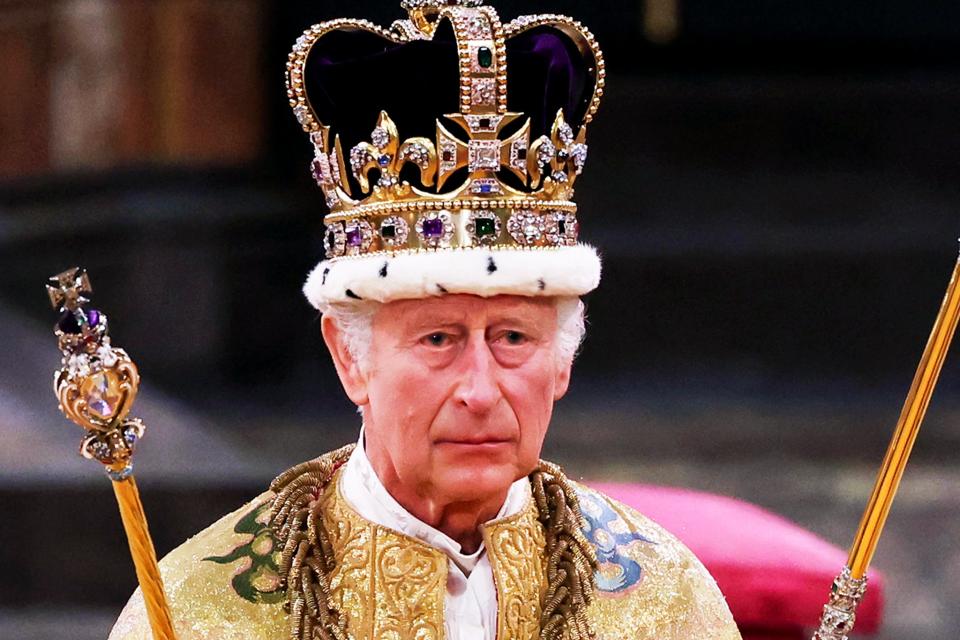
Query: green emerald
column 485, row 226
column 485, row 57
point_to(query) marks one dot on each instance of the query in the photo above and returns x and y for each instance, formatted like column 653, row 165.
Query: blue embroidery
column 610, row 535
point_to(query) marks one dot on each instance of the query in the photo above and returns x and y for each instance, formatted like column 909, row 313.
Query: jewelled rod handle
column 96, row 386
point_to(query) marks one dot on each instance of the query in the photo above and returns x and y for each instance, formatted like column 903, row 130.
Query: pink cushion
column 775, row 575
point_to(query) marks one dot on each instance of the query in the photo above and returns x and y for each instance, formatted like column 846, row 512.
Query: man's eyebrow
column 443, row 321
column 421, row 324
column 517, row 320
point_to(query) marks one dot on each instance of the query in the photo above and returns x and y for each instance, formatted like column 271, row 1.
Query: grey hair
column 355, row 321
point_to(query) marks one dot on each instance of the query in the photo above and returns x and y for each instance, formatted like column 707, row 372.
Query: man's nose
column 478, row 390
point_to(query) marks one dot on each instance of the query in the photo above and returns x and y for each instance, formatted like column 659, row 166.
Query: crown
column 425, row 141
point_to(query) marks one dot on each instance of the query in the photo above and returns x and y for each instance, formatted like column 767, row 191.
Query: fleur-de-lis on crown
column 561, row 156
column 385, row 153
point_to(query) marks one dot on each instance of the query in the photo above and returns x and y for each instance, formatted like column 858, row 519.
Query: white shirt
column 470, row 608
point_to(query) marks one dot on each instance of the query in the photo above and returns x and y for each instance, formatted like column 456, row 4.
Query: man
column 452, row 318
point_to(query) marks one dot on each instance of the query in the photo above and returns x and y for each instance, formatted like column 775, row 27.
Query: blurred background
column 774, row 187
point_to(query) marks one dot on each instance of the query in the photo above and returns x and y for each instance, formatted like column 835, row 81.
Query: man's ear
column 562, row 380
column 351, row 376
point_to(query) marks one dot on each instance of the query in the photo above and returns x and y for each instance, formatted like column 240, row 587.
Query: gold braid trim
column 308, row 557
column 571, row 559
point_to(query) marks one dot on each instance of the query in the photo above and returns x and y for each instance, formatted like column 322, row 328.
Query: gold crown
column 517, row 193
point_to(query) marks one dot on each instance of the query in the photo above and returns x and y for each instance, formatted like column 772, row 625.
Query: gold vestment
column 223, row 584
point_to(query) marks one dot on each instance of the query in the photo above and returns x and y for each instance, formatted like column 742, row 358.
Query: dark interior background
column 773, row 186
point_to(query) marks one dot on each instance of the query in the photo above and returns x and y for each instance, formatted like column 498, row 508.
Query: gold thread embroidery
column 385, row 584
column 516, row 549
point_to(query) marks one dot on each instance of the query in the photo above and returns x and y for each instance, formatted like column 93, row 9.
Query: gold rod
column 840, row 613
column 144, row 558
column 908, row 426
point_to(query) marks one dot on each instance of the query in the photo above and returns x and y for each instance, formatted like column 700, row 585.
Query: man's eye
column 437, row 339
column 514, row 337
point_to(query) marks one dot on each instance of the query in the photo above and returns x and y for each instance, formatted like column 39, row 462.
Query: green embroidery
column 258, row 578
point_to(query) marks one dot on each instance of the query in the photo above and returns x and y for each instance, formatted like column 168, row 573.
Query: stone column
column 101, row 84
column 25, row 38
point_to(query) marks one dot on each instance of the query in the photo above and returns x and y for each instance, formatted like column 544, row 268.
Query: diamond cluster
column 840, row 613
column 423, row 4
column 561, row 152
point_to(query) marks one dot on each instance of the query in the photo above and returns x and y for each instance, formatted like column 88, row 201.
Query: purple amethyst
column 354, row 237
column 316, row 171
column 432, row 228
column 93, row 318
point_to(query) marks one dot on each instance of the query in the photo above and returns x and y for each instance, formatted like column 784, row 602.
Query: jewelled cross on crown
column 485, row 153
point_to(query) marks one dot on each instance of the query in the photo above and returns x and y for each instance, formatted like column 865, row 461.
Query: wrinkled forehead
column 465, row 309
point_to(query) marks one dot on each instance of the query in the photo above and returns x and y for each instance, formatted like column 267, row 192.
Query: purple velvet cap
column 353, row 74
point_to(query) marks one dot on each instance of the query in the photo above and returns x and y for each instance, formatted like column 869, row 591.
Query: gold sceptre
column 96, row 387
column 839, row 614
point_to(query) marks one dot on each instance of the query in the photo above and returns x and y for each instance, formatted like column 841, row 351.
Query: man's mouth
column 475, row 441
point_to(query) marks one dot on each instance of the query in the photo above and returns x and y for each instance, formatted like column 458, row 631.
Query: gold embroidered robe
column 223, row 583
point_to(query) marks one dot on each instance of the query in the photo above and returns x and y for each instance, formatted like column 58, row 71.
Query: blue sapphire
column 384, row 160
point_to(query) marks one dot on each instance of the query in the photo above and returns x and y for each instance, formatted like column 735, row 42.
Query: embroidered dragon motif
column 611, row 535
column 257, row 578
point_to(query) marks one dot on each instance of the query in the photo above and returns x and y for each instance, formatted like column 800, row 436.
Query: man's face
column 460, row 392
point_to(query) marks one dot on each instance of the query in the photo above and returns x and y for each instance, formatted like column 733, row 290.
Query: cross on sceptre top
column 67, row 295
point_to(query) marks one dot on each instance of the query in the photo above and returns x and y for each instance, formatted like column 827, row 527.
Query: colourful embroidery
column 257, row 578
column 611, row 535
